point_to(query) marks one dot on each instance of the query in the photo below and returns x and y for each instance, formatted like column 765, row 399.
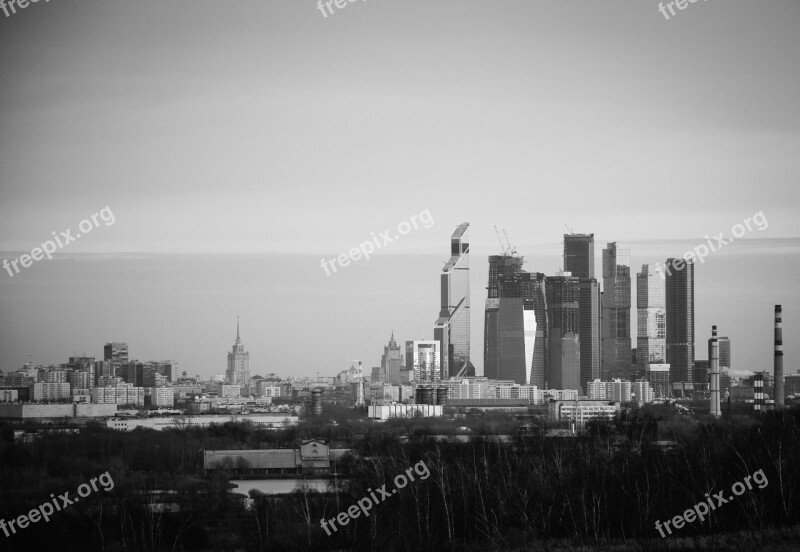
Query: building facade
column 238, row 372
column 563, row 346
column 651, row 315
column 616, row 313
column 679, row 284
column 452, row 328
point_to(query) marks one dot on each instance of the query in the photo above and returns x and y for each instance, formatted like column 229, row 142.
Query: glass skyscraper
column 509, row 328
column 680, row 319
column 616, row 313
column 651, row 316
column 579, row 262
column 451, row 329
column 563, row 348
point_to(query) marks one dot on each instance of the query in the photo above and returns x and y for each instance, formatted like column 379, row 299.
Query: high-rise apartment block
column 616, row 313
column 679, row 284
column 452, row 328
column 426, row 357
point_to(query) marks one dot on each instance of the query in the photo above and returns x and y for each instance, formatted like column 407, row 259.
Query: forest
column 601, row 490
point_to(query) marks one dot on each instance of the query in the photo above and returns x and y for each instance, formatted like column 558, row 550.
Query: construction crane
column 360, row 394
column 506, row 248
column 571, row 231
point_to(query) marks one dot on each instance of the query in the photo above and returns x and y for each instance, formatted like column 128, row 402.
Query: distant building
column 313, row 457
column 680, row 319
column 116, row 352
column 582, row 411
column 391, row 362
column 226, row 391
column 452, row 328
column 386, row 411
column 658, row 376
column 579, row 262
column 40, row 392
column 651, row 315
column 238, row 372
column 509, row 328
column 642, row 392
column 563, row 348
column 160, row 396
column 268, row 389
column 616, row 390
column 264, row 421
column 426, row 358
column 9, row 395
column 616, row 313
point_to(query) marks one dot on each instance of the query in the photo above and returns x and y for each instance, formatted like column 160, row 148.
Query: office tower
column 509, row 329
column 616, row 313
column 238, row 372
column 651, row 316
column 579, row 255
column 427, row 361
column 579, row 262
column 563, row 347
column 534, row 298
column 713, row 372
column 778, row 358
column 391, row 362
column 451, row 329
column 589, row 328
column 679, row 285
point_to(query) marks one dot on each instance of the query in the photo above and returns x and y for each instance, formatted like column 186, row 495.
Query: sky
column 238, row 143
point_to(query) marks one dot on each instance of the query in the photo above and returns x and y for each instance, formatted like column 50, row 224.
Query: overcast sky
column 263, row 128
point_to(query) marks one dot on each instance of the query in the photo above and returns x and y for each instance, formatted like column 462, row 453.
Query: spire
column 237, row 331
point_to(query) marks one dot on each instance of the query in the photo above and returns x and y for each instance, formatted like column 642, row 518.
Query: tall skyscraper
column 509, row 329
column 579, row 262
column 616, row 313
column 579, row 255
column 680, row 319
column 651, row 316
column 391, row 361
column 451, row 329
column 238, row 372
column 427, row 361
column 564, row 347
column 534, row 298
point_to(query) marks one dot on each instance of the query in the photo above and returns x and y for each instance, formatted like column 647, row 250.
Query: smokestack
column 778, row 363
column 714, row 373
column 758, row 391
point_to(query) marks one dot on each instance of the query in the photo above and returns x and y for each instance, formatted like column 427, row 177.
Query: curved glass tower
column 451, row 329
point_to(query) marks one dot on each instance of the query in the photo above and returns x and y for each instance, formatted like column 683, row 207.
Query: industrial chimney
column 778, row 362
column 714, row 373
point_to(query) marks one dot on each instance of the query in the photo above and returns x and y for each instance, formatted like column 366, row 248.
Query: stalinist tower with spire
column 238, row 372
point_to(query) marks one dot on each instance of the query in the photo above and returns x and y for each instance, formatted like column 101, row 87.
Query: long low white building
column 264, row 421
column 396, row 410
